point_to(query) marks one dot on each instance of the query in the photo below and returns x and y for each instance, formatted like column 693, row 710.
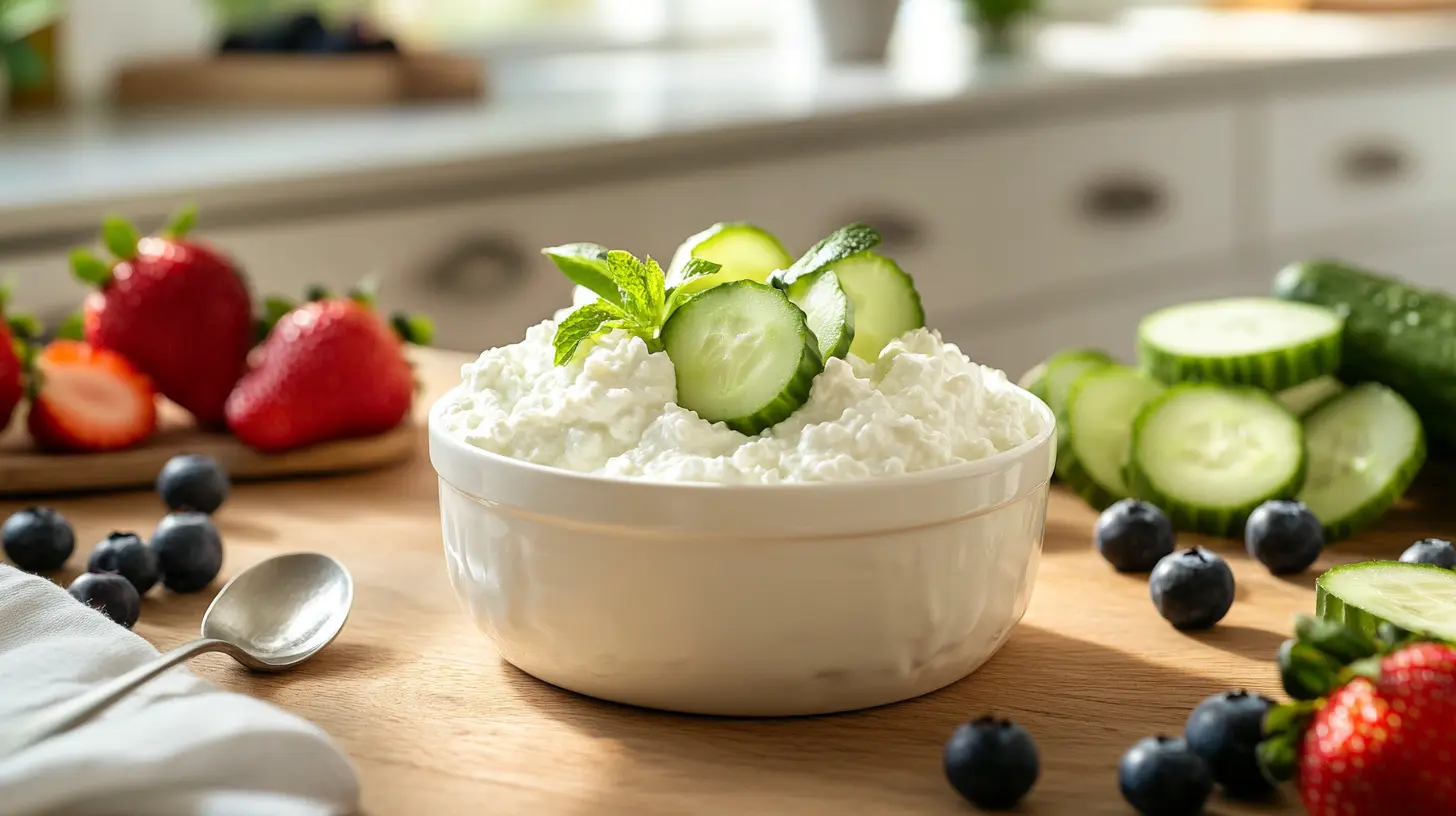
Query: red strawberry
column 176, row 308
column 330, row 369
column 1383, row 743
column 86, row 400
column 13, row 335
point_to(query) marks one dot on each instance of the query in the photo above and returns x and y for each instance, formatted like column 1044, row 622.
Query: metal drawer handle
column 479, row 267
column 1375, row 163
column 1123, row 199
column 900, row 232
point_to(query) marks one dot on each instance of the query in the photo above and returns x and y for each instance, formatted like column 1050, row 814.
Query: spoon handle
column 68, row 714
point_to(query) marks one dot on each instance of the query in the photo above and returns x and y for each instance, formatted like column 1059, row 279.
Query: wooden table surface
column 438, row 725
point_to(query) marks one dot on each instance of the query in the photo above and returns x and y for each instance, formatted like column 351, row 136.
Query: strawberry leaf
column 581, row 325
column 416, row 330
column 24, row 327
column 1344, row 644
column 5, row 287
column 316, row 293
column 90, row 269
column 120, row 237
column 73, row 327
column 365, row 292
column 1306, row 672
column 181, row 223
column 274, row 308
column 1277, row 758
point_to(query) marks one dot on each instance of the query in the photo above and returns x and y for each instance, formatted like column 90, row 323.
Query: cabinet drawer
column 1358, row 157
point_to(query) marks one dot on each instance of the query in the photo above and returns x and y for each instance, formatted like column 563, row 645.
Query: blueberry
column 38, row 539
column 1436, row 551
column 189, row 551
column 193, row 482
column 1161, row 776
column 1133, row 535
column 992, row 763
column 1284, row 536
column 109, row 593
column 1224, row 731
column 126, row 555
column 1192, row 588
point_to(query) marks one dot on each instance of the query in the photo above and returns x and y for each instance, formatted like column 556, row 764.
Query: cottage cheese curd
column 921, row 405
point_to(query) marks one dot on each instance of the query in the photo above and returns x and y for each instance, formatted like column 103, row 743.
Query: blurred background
column 1048, row 170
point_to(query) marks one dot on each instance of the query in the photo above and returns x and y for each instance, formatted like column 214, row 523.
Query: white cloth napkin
column 177, row 745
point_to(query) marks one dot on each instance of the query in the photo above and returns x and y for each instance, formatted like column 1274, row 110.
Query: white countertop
column 551, row 117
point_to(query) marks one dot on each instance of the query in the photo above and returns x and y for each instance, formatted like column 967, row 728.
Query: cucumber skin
column 1093, row 359
column 1329, row 606
column 1271, row 371
column 795, row 394
column 1417, row 359
column 1371, row 511
column 1225, row 522
column 802, row 287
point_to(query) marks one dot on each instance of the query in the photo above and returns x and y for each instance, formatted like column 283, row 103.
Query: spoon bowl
column 282, row 611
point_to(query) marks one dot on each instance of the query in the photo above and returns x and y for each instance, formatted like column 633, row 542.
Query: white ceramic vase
column 854, row 30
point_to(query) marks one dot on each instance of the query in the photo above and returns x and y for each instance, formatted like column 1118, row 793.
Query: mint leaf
column 656, row 290
column 120, row 237
column 696, row 268
column 580, row 325
column 586, row 265
column 181, row 223
column 90, row 269
column 844, row 242
column 676, row 299
column 641, row 299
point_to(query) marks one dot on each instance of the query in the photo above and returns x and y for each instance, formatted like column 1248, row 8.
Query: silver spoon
column 272, row 616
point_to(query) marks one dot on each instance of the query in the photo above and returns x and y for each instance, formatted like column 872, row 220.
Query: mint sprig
column 845, row 242
column 637, row 299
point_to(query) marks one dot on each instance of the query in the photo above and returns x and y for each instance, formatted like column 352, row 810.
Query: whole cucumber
column 1395, row 333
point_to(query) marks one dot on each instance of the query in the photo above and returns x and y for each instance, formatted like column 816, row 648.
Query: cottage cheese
column 921, row 405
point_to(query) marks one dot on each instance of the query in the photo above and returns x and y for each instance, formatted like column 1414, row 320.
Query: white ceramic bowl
column 744, row 600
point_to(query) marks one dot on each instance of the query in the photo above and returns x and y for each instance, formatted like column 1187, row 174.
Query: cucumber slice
column 1062, row 371
column 1263, row 342
column 743, row 354
column 1209, row 454
column 886, row 304
column 828, row 310
column 1365, row 448
column 1098, row 428
column 1419, row 598
column 1305, row 397
column 1035, row 380
column 745, row 252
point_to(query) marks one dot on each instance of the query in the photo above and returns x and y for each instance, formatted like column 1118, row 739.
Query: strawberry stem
column 120, row 237
column 181, row 223
column 414, row 329
column 90, row 269
column 315, row 293
column 274, row 308
column 73, row 327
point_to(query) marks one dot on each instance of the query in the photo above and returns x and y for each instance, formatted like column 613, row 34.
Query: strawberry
column 1383, row 740
column 330, row 369
column 86, row 400
column 14, row 334
column 176, row 308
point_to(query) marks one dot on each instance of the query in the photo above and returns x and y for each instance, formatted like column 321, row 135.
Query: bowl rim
column 996, row 463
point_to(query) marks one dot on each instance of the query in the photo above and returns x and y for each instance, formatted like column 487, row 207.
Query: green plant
column 24, row 66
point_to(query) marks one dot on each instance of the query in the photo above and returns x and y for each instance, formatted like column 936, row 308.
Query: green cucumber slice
column 1062, row 371
column 828, row 310
column 1365, row 448
column 1419, row 598
column 1305, row 397
column 744, row 355
column 745, row 251
column 1209, row 454
column 1035, row 380
column 1098, row 429
column 886, row 304
column 1263, row 342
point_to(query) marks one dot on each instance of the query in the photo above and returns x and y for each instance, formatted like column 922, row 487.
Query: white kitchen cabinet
column 1355, row 158
column 1421, row 250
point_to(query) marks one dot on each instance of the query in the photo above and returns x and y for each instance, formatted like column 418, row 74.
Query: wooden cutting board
column 24, row 471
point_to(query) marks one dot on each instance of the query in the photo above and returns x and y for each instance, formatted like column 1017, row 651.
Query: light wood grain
column 25, row 471
column 438, row 725
column 303, row 81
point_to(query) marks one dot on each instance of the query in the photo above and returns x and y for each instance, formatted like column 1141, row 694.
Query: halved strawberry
column 86, row 399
